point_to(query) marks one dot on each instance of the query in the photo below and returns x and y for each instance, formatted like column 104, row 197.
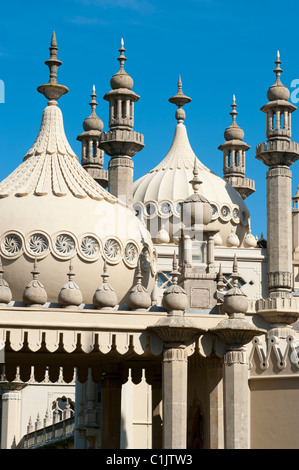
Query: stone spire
column 35, row 294
column 70, row 294
column 105, row 296
column 52, row 90
column 234, row 156
column 121, row 142
column 278, row 154
column 92, row 156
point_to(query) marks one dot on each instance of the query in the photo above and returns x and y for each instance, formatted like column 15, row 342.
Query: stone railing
column 58, row 435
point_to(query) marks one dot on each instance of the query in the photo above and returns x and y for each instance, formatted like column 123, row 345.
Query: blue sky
column 220, row 48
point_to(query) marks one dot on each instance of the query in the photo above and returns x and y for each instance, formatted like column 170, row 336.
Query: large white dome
column 159, row 193
column 52, row 210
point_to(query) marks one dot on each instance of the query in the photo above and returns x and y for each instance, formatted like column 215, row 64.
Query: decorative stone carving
column 64, row 245
column 112, row 250
column 35, row 293
column 89, row 247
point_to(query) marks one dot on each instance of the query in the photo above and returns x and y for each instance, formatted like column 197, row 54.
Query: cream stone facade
column 145, row 314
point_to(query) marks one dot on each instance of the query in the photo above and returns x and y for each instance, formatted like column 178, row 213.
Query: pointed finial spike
column 53, row 40
column 122, row 42
column 278, row 55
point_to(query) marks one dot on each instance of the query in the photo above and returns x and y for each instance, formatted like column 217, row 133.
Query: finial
column 105, row 296
column 93, row 102
column 53, row 91
column 175, row 272
column 277, row 70
column 35, row 293
column 234, row 113
column 235, row 275
column 70, row 294
column 195, row 182
column 180, row 100
column 139, row 298
column 122, row 57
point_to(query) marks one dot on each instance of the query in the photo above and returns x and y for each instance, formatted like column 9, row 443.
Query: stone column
column 235, row 332
column 176, row 332
column 120, row 173
column 236, row 399
column 279, row 230
column 11, row 419
column 174, row 393
column 111, row 410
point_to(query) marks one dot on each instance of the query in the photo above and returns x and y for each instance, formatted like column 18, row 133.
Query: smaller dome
column 35, row 293
column 70, row 294
column 93, row 122
column 105, row 296
column 250, row 241
column 139, row 298
column 278, row 92
column 121, row 80
column 234, row 132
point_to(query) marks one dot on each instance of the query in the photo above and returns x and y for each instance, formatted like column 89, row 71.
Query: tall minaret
column 279, row 153
column 234, row 156
column 92, row 156
column 121, row 142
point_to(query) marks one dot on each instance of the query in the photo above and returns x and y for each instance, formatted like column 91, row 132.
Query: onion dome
column 250, row 241
column 121, row 79
column 105, row 296
column 139, row 298
column 232, row 239
column 175, row 297
column 235, row 301
column 35, row 294
column 234, row 132
column 70, row 294
column 159, row 194
column 53, row 210
column 5, row 292
column 278, row 91
column 93, row 122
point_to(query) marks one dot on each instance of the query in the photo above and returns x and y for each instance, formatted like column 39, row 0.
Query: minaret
column 121, row 142
column 92, row 156
column 279, row 153
column 234, row 156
